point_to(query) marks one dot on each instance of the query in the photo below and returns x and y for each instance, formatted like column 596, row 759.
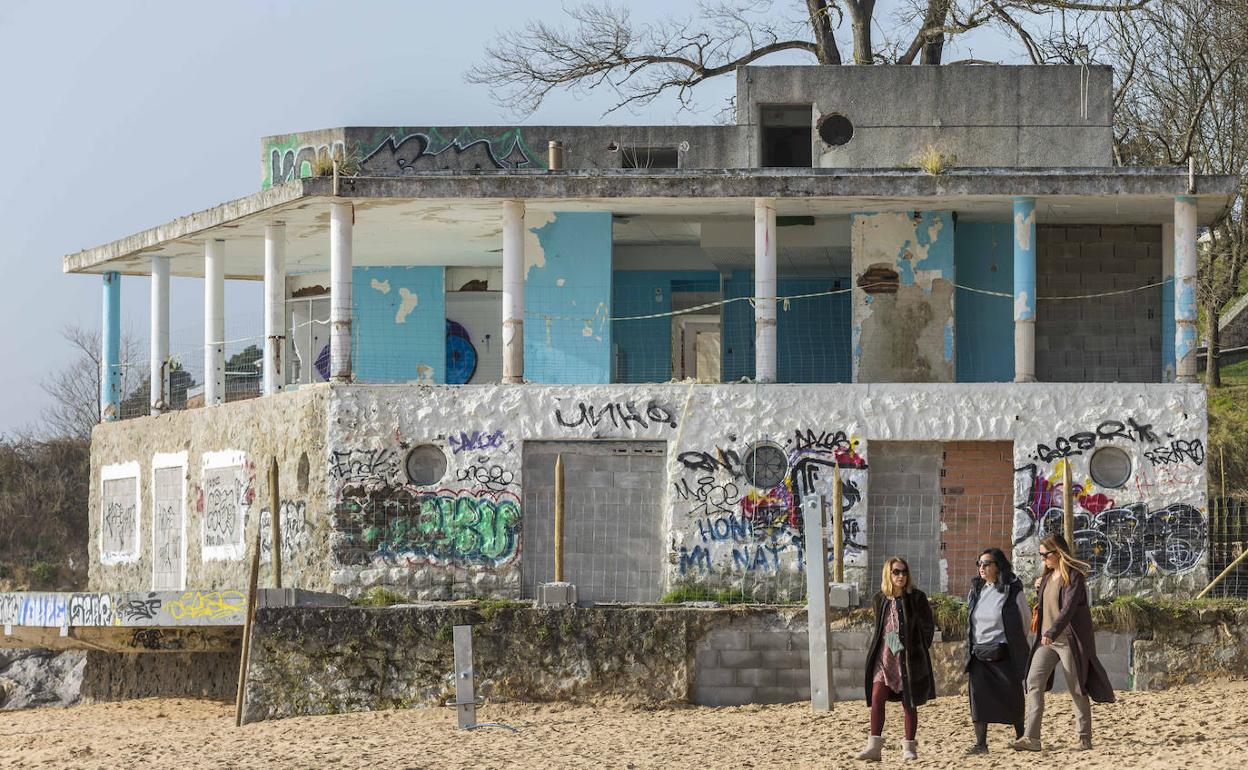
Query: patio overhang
column 456, row 217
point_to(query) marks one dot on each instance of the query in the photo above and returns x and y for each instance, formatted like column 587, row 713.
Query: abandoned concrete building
column 707, row 322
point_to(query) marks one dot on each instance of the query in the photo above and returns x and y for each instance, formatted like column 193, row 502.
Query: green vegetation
column 1126, row 613
column 950, row 614
column 696, row 593
column 1227, row 455
column 379, row 596
column 491, row 607
column 43, row 513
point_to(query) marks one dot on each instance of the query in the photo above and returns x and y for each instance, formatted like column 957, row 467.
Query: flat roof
column 461, row 210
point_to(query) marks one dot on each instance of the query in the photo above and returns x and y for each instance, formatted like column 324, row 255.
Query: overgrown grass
column 1128, row 613
column 379, row 596
column 1227, row 456
column 695, row 593
column 950, row 614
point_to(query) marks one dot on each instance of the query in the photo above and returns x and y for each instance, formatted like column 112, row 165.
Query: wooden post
column 1068, row 507
column 559, row 518
column 245, row 656
column 275, row 525
column 1223, row 574
column 838, row 531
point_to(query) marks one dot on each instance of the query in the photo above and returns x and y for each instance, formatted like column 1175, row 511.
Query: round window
column 426, row 464
column 835, row 129
column 1110, row 467
column 765, row 465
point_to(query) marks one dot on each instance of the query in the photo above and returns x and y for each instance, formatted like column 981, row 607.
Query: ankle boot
column 909, row 749
column 875, row 747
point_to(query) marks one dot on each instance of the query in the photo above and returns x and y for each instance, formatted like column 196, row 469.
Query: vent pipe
column 554, row 159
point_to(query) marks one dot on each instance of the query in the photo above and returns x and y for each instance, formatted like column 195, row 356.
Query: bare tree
column 604, row 47
column 75, row 389
column 1183, row 93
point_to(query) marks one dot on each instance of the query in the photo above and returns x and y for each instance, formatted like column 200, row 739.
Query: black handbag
column 990, row 652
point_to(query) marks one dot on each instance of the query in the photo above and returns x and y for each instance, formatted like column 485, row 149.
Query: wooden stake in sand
column 1068, row 506
column 251, row 613
column 559, row 518
column 275, row 525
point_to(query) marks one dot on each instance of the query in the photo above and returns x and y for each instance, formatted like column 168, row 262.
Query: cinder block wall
column 1107, row 339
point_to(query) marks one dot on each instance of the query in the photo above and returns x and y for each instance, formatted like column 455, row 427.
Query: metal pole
column 559, row 518
column 214, row 322
column 245, row 656
column 110, row 349
column 275, row 525
column 838, row 531
column 822, row 693
column 1068, row 506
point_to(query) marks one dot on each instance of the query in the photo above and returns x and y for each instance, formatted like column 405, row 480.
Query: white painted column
column 214, row 322
column 159, row 333
column 1185, row 288
column 513, row 292
column 764, row 290
column 1167, row 302
column 341, row 226
column 274, row 307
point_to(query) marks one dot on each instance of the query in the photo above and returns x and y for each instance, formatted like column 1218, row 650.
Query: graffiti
column 118, row 518
column 290, row 163
column 43, row 610
column 356, row 465
column 394, row 525
column 461, row 355
column 622, row 415
column 729, row 460
column 149, row 639
column 139, row 609
column 493, row 478
column 91, row 610
column 710, row 495
column 1084, row 441
column 167, row 528
column 1178, row 452
column 477, row 441
column 1133, row 541
column 1045, row 493
column 699, row 557
column 213, row 605
column 292, row 519
column 223, row 500
column 430, row 150
column 843, row 449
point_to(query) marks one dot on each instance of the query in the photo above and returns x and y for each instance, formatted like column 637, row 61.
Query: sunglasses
column 985, row 563
column 897, row 571
column 1046, row 554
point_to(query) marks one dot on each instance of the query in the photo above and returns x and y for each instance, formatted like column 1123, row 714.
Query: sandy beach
column 1198, row 726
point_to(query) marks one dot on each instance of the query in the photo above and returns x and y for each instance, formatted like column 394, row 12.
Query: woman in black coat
column 899, row 664
column 996, row 647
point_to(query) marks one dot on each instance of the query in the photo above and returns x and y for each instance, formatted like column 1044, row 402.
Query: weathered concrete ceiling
column 456, row 217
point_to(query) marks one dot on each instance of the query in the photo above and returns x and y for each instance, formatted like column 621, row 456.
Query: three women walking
column 899, row 664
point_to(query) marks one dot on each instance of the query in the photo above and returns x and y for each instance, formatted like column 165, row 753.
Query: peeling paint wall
column 238, row 439
column 903, row 319
column 739, row 462
column 399, row 317
column 567, row 299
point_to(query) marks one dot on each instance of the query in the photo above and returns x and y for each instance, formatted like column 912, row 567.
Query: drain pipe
column 554, row 155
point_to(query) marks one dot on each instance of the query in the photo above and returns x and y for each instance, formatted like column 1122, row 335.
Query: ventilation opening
column 835, row 129
column 649, row 157
column 786, row 136
column 879, row 279
column 425, row 465
column 1110, row 467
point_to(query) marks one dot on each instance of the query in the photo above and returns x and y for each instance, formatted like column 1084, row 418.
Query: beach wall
column 306, row 662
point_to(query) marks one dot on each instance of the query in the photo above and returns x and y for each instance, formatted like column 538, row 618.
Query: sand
column 1197, row 726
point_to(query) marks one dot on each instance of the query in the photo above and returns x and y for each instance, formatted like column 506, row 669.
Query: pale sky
column 123, row 115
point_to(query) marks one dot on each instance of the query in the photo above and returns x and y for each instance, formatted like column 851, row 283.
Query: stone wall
column 1114, row 338
column 352, row 659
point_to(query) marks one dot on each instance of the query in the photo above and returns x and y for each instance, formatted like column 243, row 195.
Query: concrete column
column 214, row 322
column 274, row 307
column 341, row 226
column 1167, row 302
column 513, row 292
column 1185, row 288
column 158, row 373
column 1024, row 290
column 110, row 349
column 764, row 290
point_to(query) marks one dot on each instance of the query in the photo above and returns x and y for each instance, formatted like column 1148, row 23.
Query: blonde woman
column 1064, row 625
column 899, row 665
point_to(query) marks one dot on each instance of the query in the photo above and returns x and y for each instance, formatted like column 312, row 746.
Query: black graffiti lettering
column 491, row 477
column 1179, row 451
column 1132, row 541
column 621, row 415
column 1142, row 432
column 1083, row 441
column 727, row 459
column 825, row 440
